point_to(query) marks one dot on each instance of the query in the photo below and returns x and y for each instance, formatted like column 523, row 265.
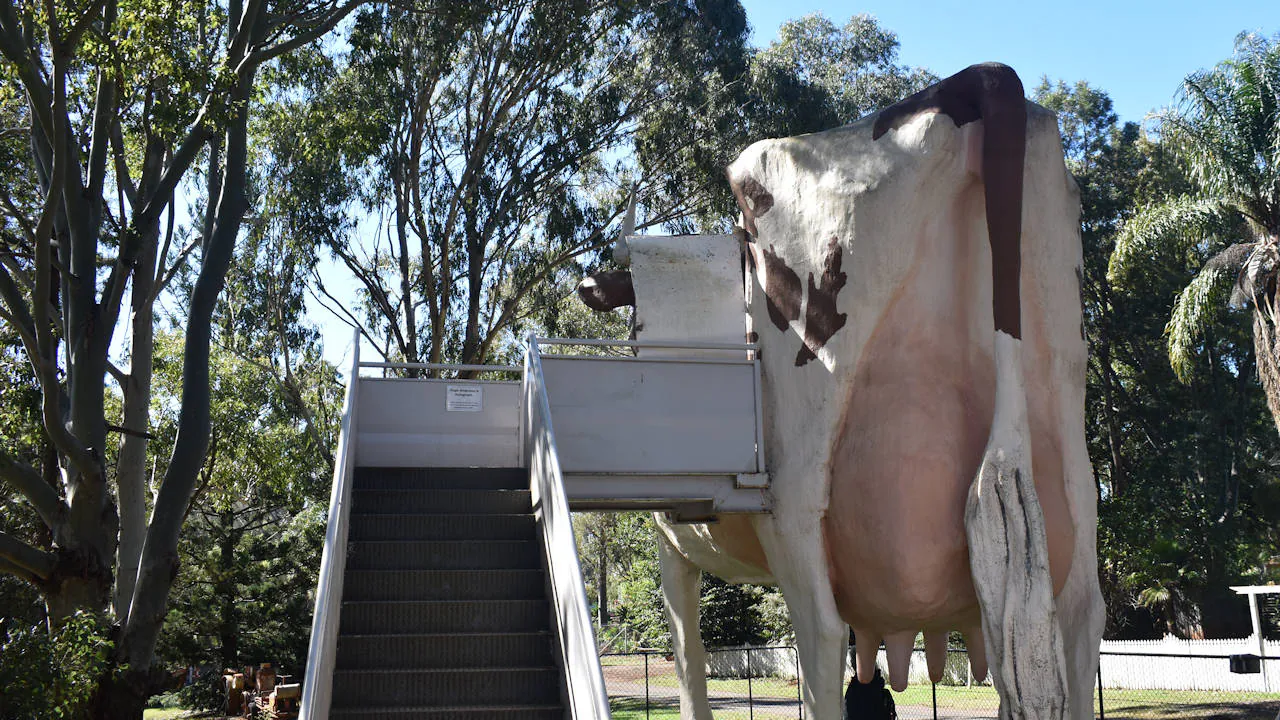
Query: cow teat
column 605, row 291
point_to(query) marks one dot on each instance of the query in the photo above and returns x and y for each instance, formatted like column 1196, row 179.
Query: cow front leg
column 798, row 558
column 1009, row 558
column 681, row 585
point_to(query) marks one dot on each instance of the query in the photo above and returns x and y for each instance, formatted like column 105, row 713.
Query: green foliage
column 1174, row 229
column 1186, row 463
column 251, row 551
column 639, row 602
column 53, row 674
column 732, row 615
column 855, row 66
column 1197, row 306
column 1227, row 130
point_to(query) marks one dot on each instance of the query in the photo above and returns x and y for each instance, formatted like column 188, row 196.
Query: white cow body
column 880, row 393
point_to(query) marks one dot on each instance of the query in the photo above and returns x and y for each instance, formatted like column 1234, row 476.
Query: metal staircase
column 450, row 587
column 445, row 613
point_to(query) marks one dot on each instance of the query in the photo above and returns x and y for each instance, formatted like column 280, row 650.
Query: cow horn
column 622, row 251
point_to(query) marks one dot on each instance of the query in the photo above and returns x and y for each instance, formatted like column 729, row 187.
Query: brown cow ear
column 605, row 291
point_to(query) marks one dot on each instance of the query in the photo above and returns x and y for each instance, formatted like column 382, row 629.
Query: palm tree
column 1226, row 131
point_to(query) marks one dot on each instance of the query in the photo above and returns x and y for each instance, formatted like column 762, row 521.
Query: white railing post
column 588, row 698
column 317, row 685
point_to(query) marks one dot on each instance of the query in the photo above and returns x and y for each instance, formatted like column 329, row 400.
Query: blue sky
column 1137, row 51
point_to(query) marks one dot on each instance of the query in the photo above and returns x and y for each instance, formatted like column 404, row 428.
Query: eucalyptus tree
column 855, row 64
column 492, row 151
column 116, row 102
column 251, row 548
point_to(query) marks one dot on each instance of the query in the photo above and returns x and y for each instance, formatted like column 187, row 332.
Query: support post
column 646, row 686
column 1102, row 713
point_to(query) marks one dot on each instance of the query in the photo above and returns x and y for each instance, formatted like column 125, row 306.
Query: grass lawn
column 627, row 709
column 164, row 714
column 760, row 687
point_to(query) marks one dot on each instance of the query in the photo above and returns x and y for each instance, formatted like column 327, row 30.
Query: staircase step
column 391, row 617
column 443, row 585
column 458, row 650
column 379, row 478
column 443, row 554
column 440, row 501
column 482, row 712
column 435, row 526
column 498, row 686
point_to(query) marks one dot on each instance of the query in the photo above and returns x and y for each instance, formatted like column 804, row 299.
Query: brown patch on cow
column 782, row 290
column 753, row 337
column 747, row 188
column 990, row 92
column 821, row 320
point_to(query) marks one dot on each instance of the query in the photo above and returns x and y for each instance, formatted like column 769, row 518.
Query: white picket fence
column 1172, row 664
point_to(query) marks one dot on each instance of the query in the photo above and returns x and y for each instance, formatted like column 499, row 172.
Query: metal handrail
column 442, row 366
column 317, row 685
column 675, row 360
column 673, row 344
column 588, row 698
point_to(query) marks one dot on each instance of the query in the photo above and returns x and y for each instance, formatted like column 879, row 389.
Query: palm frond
column 1171, row 227
column 1227, row 130
column 1196, row 306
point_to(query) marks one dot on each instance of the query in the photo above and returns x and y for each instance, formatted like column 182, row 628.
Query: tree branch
column 123, row 179
column 28, row 481
column 297, row 41
column 164, row 281
column 14, row 48
column 120, row 376
column 32, row 560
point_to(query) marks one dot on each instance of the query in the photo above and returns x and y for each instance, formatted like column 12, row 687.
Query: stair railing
column 317, row 685
column 588, row 698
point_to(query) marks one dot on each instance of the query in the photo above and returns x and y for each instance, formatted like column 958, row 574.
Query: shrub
column 53, row 675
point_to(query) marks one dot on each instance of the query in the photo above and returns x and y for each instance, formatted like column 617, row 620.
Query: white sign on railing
column 464, row 398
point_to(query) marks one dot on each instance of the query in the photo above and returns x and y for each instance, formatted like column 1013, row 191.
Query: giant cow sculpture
column 912, row 280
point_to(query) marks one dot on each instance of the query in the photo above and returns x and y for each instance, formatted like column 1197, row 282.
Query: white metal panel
column 637, row 416
column 406, row 423
column 688, row 287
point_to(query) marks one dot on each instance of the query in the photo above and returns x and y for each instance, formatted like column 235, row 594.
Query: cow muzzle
column 605, row 291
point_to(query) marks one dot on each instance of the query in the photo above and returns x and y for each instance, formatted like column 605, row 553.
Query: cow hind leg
column 1081, row 610
column 798, row 560
column 681, row 583
column 1081, row 615
column 1009, row 558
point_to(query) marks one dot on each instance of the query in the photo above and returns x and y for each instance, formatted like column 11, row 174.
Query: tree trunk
column 410, row 349
column 131, row 468
column 225, row 591
column 1119, row 480
column 159, row 563
column 121, row 698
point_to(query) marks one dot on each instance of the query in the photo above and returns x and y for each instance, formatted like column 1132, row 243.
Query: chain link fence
column 747, row 683
column 750, row 683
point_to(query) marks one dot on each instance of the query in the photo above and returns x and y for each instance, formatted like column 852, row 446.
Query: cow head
column 607, row 290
